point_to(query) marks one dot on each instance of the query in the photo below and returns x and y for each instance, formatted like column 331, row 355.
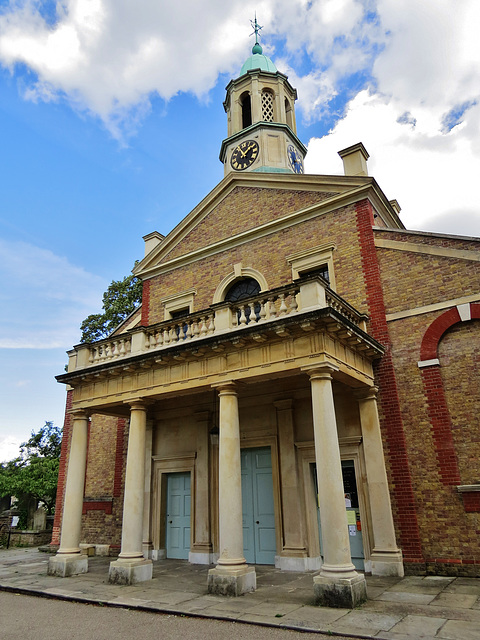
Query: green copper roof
column 258, row 61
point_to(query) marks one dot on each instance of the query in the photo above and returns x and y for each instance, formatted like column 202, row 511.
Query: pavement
column 408, row 608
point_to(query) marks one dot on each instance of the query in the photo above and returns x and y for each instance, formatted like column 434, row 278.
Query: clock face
column 244, row 155
column 294, row 159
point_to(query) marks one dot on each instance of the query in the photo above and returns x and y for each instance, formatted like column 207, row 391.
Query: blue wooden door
column 178, row 515
column 259, row 542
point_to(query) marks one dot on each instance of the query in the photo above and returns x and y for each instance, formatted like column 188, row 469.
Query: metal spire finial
column 256, row 28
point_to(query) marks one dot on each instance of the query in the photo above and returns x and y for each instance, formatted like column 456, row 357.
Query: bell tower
column 260, row 106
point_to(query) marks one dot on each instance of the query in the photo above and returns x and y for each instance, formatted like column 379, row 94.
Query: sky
column 111, row 122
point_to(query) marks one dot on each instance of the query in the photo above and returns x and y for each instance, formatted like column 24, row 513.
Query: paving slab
column 454, row 601
column 406, row 596
column 418, row 626
column 460, row 630
column 368, row 623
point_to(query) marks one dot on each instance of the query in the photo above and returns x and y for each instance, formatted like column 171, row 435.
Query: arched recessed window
column 241, row 289
column 246, row 110
column 267, row 106
column 289, row 113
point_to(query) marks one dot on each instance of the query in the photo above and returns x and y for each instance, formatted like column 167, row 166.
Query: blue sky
column 111, row 121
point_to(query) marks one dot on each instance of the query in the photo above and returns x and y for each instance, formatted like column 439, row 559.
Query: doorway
column 259, row 540
column 354, row 521
column 178, row 515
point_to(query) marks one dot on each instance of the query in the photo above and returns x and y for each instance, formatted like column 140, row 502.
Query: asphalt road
column 24, row 617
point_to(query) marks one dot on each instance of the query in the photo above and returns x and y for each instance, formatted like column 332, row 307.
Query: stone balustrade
column 302, row 296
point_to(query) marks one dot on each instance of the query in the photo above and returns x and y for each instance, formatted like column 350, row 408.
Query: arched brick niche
column 438, row 411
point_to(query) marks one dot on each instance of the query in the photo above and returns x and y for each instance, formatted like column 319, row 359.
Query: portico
column 269, row 384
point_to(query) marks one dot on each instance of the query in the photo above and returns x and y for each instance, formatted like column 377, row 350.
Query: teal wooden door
column 259, row 542
column 178, row 515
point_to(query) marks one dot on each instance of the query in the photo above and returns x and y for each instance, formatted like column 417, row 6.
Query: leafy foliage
column 119, row 300
column 34, row 474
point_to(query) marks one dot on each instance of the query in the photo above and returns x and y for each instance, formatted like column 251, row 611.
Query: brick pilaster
column 391, row 418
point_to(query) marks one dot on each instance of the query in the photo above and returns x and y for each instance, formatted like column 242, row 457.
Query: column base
column 292, row 563
column 387, row 563
column 231, row 581
column 344, row 593
column 196, row 557
column 68, row 564
column 130, row 571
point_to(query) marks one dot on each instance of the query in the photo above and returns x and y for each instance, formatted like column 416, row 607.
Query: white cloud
column 44, row 291
column 9, row 448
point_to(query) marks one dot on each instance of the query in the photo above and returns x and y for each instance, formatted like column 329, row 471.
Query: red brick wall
column 439, row 404
column 403, row 500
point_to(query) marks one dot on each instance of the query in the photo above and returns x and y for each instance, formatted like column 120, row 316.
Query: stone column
column 69, row 560
column 232, row 576
column 147, row 529
column 338, row 584
column 131, row 566
column 294, row 553
column 202, row 552
column 386, row 556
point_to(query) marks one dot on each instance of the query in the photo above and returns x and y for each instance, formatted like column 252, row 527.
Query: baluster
column 91, row 358
column 173, row 334
column 283, row 307
column 203, row 327
column 272, row 308
column 253, row 316
column 211, row 324
column 293, row 302
column 115, row 349
column 122, row 348
column 153, row 340
column 195, row 329
column 159, row 338
column 188, row 333
column 243, row 318
column 263, row 311
column 166, row 337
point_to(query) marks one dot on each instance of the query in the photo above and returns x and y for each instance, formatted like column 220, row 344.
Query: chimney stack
column 355, row 160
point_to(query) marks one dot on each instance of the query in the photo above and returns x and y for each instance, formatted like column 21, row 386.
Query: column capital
column 324, row 370
column 366, row 393
column 226, row 387
column 79, row 414
column 138, row 403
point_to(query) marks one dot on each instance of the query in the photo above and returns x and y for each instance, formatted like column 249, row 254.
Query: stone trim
column 438, row 306
column 461, row 254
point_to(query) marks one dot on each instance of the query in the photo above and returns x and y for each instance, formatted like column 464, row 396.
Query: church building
column 300, row 386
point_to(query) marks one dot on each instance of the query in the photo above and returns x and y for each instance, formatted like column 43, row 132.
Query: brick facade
column 419, row 293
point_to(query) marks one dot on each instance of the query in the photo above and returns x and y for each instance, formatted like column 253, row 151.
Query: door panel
column 258, row 507
column 178, row 515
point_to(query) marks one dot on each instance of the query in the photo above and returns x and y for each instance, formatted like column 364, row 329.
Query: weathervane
column 256, row 28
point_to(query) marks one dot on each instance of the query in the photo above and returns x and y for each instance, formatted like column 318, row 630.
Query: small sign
column 15, row 520
column 352, row 529
column 351, row 517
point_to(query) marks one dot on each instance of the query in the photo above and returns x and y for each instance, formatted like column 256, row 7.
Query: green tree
column 119, row 300
column 34, row 473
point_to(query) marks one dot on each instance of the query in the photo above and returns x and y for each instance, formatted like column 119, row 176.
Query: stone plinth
column 66, row 565
column 344, row 593
column 230, row 581
column 130, row 572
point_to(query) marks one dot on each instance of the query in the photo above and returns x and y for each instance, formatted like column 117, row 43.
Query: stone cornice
column 427, row 249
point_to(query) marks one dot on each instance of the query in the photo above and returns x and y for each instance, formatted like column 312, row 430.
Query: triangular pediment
column 242, row 206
